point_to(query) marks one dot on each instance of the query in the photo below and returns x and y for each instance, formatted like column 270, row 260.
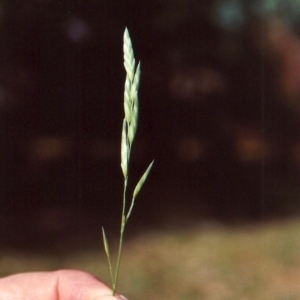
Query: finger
column 57, row 285
column 73, row 285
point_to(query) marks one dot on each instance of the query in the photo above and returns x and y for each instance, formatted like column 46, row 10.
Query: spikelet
column 131, row 106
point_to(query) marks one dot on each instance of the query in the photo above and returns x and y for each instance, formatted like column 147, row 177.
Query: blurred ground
column 207, row 261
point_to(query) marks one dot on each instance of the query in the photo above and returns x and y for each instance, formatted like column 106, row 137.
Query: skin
column 57, row 285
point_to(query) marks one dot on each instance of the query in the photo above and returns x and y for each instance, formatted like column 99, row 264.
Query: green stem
column 123, row 224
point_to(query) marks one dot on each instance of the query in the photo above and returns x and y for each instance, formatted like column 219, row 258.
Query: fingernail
column 122, row 297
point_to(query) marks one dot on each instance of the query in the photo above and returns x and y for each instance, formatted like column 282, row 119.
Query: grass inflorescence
column 130, row 123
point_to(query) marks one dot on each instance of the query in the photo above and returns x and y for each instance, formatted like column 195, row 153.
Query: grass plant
column 130, row 123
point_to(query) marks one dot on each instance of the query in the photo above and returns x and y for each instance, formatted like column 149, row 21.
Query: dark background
column 219, row 113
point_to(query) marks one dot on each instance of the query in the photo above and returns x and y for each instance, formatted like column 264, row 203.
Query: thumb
column 62, row 284
column 73, row 284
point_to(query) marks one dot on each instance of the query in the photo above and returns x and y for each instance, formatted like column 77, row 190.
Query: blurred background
column 219, row 113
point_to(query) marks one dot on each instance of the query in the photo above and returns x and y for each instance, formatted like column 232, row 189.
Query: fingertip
column 110, row 297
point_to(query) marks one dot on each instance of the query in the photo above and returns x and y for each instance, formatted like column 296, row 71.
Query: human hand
column 57, row 285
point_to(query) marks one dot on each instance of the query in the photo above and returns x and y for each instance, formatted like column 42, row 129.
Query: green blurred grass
column 204, row 262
